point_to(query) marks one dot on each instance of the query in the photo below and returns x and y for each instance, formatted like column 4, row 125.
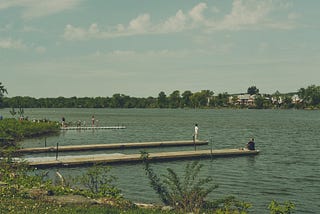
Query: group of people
column 63, row 122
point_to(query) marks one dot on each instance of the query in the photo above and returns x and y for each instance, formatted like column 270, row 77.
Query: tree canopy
column 253, row 90
column 3, row 91
column 307, row 98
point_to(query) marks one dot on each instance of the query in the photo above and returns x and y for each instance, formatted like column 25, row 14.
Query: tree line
column 308, row 98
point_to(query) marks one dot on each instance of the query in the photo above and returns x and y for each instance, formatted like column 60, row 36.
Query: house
column 245, row 99
column 296, row 99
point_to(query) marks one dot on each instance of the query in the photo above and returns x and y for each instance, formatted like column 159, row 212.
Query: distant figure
column 196, row 131
column 63, row 122
column 251, row 144
column 1, row 118
column 92, row 119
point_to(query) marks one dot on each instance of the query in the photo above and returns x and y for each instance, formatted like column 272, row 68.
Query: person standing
column 92, row 119
column 63, row 122
column 196, row 131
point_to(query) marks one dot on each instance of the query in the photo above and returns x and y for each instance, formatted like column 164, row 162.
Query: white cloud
column 39, row 8
column 140, row 24
column 12, row 44
column 74, row 33
column 174, row 24
column 244, row 14
column 196, row 12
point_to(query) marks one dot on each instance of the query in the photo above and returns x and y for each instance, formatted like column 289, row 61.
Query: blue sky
column 141, row 47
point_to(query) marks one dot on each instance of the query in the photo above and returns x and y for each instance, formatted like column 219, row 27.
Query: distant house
column 276, row 100
column 296, row 99
column 245, row 99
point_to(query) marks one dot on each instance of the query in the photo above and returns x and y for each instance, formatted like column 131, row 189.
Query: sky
column 91, row 48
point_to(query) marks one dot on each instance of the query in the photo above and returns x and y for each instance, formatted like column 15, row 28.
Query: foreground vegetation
column 24, row 190
column 14, row 130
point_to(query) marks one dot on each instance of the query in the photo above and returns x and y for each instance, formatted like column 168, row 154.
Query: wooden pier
column 113, row 146
column 118, row 158
column 91, row 127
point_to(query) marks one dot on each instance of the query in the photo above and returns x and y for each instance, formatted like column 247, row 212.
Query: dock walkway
column 117, row 158
column 112, row 146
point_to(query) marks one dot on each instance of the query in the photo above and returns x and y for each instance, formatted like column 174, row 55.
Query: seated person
column 250, row 145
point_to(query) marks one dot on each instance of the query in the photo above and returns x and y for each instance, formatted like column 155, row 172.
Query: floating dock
column 118, row 158
column 113, row 146
column 91, row 127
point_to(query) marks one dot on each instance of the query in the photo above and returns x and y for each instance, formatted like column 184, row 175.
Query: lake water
column 288, row 167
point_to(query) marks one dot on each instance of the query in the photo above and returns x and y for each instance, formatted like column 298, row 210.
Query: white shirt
column 196, row 130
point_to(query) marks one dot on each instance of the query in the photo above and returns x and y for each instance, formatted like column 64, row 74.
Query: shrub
column 185, row 194
column 277, row 208
column 99, row 182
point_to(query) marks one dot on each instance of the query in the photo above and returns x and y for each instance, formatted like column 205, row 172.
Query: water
column 286, row 169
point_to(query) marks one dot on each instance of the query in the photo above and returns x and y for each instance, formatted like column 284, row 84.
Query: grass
column 15, row 130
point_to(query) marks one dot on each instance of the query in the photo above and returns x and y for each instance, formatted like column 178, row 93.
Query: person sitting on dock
column 251, row 144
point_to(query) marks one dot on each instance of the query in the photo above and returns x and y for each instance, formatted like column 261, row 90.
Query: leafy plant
column 99, row 182
column 229, row 205
column 21, row 112
column 277, row 208
column 186, row 194
column 13, row 112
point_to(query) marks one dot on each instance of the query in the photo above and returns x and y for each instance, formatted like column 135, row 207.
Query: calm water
column 288, row 167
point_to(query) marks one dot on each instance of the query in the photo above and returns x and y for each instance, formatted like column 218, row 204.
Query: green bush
column 186, row 194
column 277, row 208
column 99, row 182
column 15, row 130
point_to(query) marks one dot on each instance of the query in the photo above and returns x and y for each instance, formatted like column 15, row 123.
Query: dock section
column 91, row 127
column 118, row 158
column 113, row 146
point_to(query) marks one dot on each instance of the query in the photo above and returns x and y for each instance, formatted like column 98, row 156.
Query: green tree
column 162, row 100
column 287, row 102
column 185, row 100
column 174, row 99
column 3, row 91
column 221, row 100
column 118, row 100
column 253, row 90
column 259, row 102
column 310, row 95
column 202, row 98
